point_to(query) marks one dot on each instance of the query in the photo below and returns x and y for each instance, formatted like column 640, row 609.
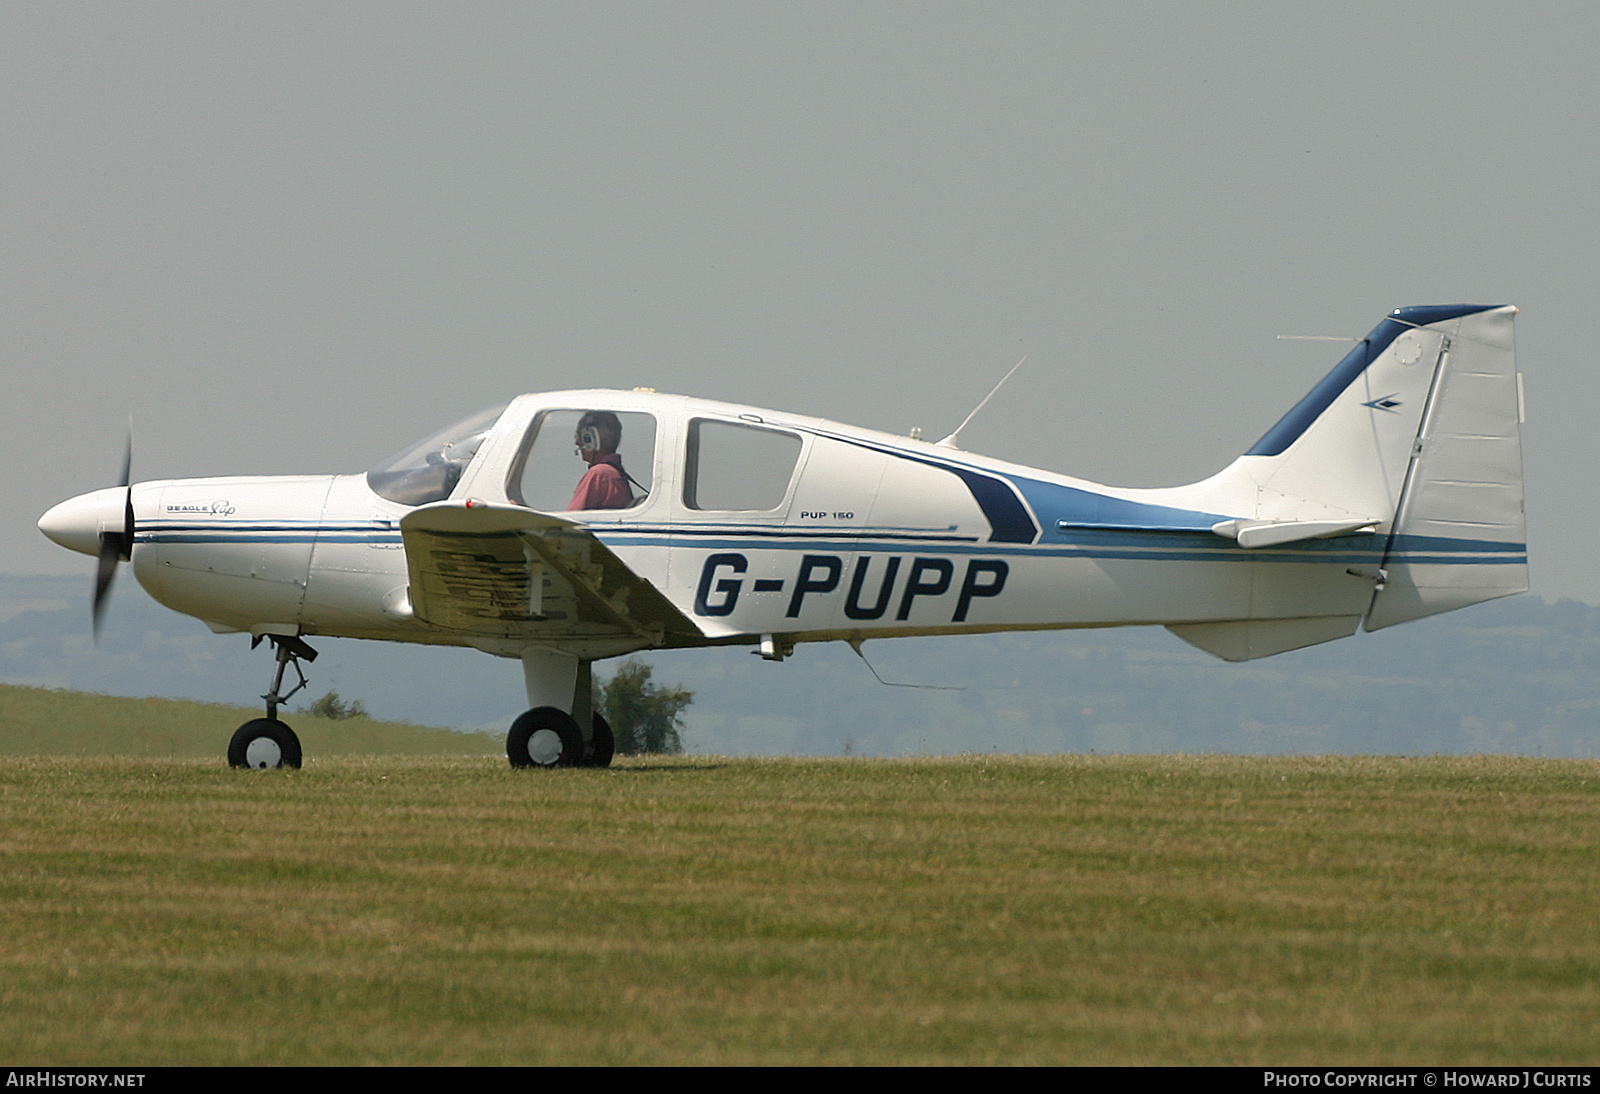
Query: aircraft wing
column 504, row 570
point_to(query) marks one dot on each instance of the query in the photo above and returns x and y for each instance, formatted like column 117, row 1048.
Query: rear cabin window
column 738, row 467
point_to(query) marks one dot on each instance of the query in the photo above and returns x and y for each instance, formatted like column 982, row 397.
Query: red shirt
column 603, row 486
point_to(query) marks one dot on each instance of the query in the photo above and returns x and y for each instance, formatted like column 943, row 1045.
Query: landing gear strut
column 267, row 742
column 548, row 736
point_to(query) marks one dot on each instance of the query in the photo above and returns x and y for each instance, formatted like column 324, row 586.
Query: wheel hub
column 263, row 752
column 544, row 747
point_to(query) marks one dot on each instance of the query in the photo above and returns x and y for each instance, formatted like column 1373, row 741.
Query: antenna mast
column 950, row 441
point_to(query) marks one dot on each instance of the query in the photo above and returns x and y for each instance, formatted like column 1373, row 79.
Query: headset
column 590, row 439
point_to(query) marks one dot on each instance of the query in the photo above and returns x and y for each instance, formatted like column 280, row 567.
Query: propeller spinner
column 100, row 523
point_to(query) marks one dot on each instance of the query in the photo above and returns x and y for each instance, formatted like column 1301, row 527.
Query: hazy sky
column 295, row 237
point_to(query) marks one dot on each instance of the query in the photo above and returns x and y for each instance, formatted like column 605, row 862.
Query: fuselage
column 750, row 521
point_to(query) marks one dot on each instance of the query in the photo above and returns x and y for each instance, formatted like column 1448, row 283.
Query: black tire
column 264, row 743
column 544, row 737
column 603, row 745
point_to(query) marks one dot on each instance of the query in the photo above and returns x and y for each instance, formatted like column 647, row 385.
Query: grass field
column 444, row 909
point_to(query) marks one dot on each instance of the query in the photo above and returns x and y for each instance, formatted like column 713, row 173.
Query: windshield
column 429, row 470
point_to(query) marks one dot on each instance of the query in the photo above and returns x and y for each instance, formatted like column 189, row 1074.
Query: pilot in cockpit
column 605, row 484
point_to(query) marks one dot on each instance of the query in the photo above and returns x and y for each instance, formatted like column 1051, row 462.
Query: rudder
column 1458, row 535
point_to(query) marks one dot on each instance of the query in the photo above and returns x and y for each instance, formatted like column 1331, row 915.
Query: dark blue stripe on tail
column 1309, row 409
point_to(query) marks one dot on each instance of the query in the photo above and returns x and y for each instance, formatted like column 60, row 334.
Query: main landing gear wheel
column 264, row 743
column 603, row 745
column 545, row 737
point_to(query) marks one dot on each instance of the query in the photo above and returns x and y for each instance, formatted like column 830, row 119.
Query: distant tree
column 331, row 706
column 643, row 717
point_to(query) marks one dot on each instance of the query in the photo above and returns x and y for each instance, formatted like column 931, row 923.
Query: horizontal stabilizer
column 1271, row 533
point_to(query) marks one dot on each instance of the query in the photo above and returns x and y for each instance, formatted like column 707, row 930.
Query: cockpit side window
column 585, row 459
column 737, row 467
column 429, row 470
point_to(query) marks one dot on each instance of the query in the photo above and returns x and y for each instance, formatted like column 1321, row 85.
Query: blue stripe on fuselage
column 1071, row 542
column 1014, row 519
column 1065, row 510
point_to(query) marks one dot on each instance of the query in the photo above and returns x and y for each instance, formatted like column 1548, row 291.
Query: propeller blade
column 125, row 550
column 114, row 546
column 105, row 569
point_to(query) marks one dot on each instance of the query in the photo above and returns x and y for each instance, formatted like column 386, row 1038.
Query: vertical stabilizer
column 1458, row 535
column 1405, row 461
column 1344, row 449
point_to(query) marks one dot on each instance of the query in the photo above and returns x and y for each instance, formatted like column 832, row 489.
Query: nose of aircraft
column 76, row 523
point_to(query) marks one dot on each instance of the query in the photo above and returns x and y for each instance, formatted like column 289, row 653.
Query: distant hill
column 1515, row 676
column 43, row 722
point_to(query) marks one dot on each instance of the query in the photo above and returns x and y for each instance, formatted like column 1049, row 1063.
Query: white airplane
column 1392, row 491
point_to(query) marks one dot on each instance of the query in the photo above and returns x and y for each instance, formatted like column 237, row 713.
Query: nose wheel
column 266, row 742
